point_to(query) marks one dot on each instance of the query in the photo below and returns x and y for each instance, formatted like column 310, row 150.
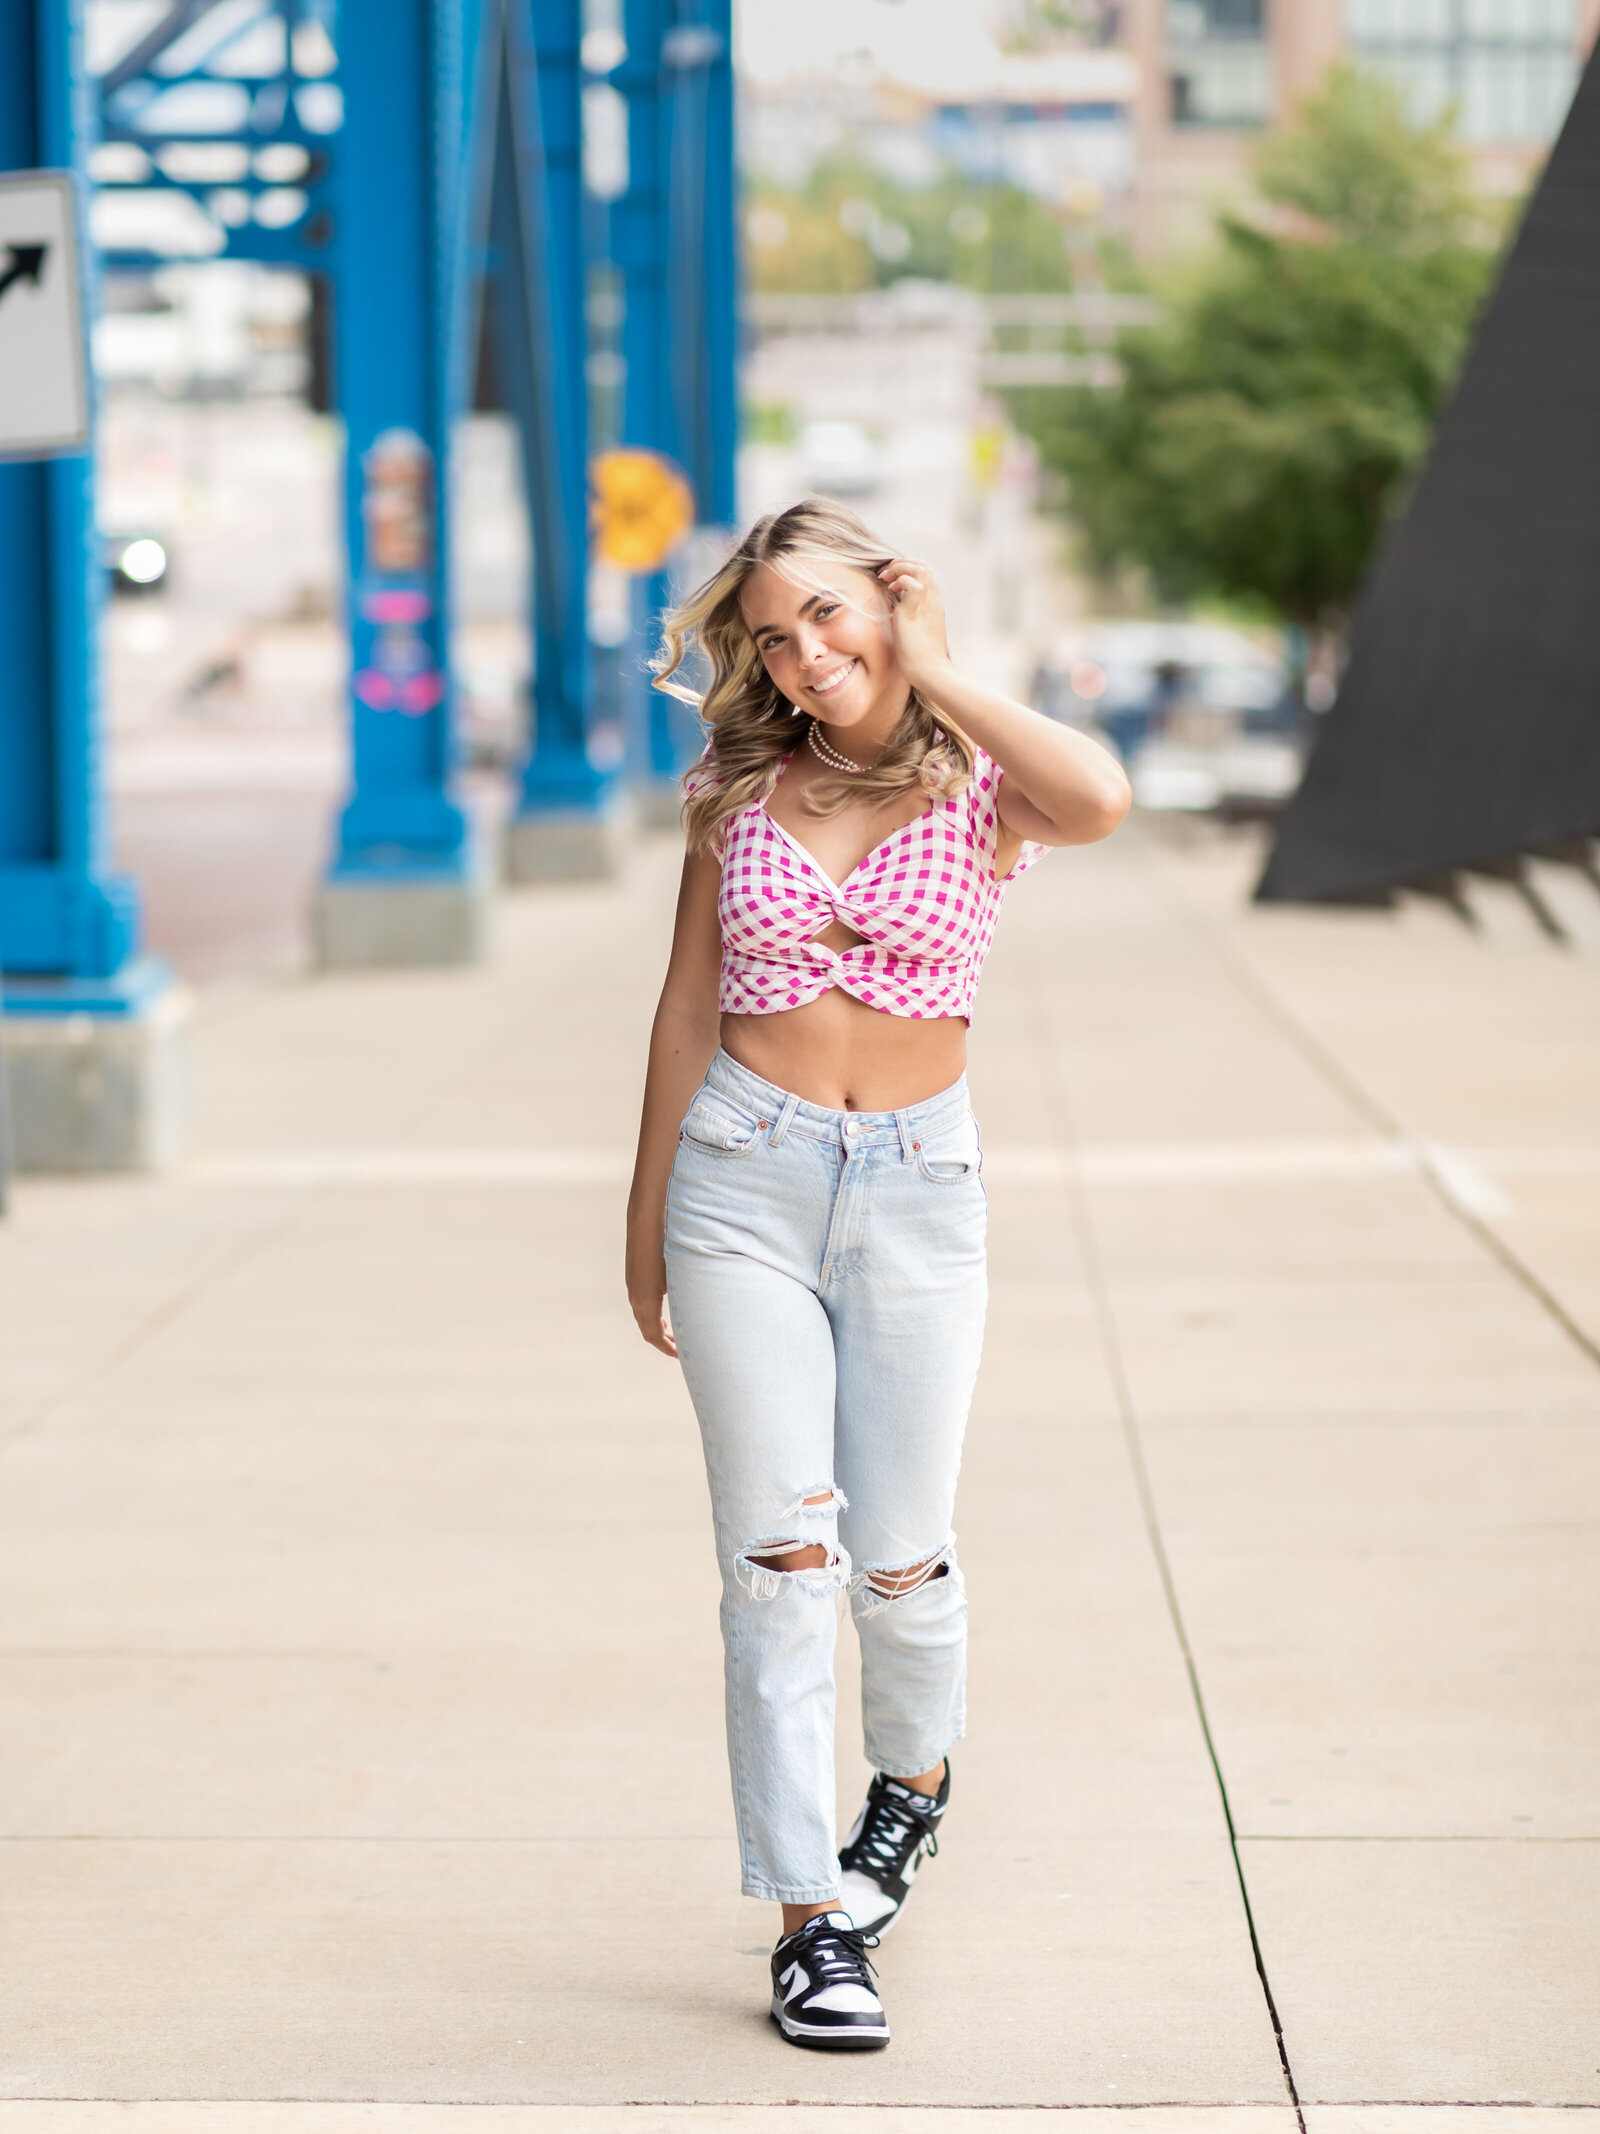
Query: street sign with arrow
column 24, row 263
column 44, row 365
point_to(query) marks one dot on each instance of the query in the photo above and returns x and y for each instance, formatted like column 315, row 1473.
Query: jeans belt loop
column 907, row 1145
column 784, row 1120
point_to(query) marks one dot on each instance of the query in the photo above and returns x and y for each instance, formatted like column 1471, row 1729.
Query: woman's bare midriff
column 838, row 1052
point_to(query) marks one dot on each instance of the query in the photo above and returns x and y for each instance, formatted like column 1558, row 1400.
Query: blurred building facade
column 1143, row 114
column 1213, row 73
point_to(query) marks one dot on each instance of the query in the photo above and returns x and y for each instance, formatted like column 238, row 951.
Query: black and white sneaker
column 822, row 1990
column 892, row 1836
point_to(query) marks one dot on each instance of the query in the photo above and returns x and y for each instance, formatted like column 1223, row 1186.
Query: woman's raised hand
column 916, row 617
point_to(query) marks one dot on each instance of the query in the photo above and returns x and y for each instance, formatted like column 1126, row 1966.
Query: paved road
column 357, row 1618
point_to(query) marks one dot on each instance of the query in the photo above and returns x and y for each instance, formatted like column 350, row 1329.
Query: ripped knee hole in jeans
column 779, row 1558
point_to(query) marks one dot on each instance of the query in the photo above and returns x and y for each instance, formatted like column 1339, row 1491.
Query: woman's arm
column 682, row 1040
column 1060, row 787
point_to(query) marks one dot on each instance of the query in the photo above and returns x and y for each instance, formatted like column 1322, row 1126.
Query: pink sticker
column 375, row 690
column 421, row 693
column 393, row 607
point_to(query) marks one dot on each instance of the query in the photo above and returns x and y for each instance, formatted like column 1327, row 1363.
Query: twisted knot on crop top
column 925, row 902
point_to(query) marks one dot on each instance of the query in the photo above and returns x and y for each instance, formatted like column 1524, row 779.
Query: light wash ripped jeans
column 826, row 1277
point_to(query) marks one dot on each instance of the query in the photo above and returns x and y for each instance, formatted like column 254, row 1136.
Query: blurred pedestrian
column 807, row 1200
column 1047, row 691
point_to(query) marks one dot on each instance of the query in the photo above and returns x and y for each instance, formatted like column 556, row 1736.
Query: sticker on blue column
column 401, row 671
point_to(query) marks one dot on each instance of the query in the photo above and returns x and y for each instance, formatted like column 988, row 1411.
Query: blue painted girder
column 674, row 237
column 129, row 98
column 537, row 238
column 62, row 911
column 702, row 248
column 413, row 107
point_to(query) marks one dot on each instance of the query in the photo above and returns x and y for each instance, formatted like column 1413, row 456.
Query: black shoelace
column 836, row 1955
column 893, row 1832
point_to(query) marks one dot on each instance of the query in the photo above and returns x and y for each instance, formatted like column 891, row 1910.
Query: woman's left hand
column 916, row 617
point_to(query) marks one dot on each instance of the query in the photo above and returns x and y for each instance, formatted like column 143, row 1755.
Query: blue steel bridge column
column 639, row 248
column 675, row 240
column 568, row 822
column 702, row 251
column 405, row 886
column 91, row 1026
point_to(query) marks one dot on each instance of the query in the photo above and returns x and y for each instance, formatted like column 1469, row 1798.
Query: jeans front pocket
column 716, row 1127
column 950, row 1154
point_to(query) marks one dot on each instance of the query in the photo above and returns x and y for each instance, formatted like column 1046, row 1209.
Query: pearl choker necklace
column 831, row 756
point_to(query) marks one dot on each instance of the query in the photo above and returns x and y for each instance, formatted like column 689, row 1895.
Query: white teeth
column 822, row 689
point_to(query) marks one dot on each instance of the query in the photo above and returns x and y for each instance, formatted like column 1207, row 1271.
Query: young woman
column 807, row 1200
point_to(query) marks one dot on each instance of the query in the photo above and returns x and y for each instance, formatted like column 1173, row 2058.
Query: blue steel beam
column 146, row 50
column 702, row 248
column 537, row 236
column 131, row 97
column 411, row 71
column 649, row 411
column 638, row 233
column 675, row 238
column 63, row 913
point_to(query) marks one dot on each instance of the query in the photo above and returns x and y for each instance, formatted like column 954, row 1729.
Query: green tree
column 1260, row 441
column 851, row 227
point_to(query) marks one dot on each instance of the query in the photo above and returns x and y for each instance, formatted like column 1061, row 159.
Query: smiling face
column 822, row 629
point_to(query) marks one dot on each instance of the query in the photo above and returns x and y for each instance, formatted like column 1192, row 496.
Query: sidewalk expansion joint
column 1082, row 1220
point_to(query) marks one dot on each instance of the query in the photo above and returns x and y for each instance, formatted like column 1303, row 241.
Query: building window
column 1217, row 63
column 1506, row 67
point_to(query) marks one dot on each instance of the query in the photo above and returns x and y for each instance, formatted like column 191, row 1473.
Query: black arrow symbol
column 27, row 263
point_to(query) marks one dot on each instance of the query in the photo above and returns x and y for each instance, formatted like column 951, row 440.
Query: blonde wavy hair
column 750, row 728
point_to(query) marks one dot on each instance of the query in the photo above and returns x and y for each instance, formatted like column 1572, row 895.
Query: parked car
column 1201, row 714
column 135, row 562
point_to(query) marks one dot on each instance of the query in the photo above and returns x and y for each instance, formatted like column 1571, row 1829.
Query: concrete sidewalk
column 365, row 1770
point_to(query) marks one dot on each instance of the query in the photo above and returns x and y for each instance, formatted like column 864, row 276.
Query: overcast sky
column 943, row 40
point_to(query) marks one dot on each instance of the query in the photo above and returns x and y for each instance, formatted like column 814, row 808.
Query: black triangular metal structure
column 1467, row 728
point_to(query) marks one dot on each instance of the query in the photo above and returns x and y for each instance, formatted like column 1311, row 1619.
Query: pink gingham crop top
column 925, row 901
